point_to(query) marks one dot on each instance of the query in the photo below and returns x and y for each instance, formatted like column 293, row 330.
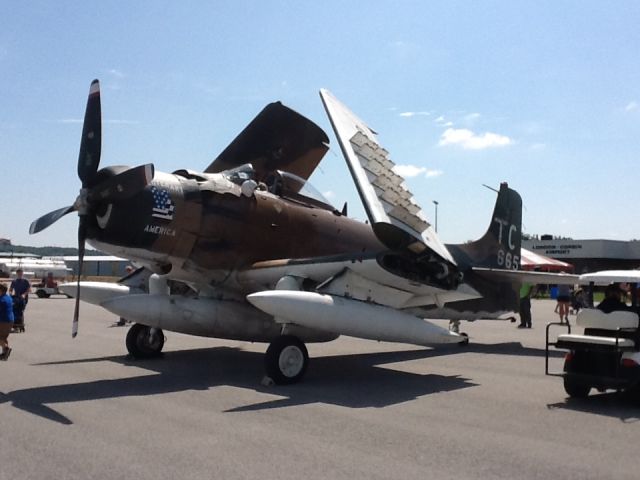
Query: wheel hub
column 291, row 361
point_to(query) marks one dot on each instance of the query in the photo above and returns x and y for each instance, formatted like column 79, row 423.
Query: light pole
column 435, row 202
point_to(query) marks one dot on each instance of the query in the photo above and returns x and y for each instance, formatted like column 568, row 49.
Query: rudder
column 499, row 247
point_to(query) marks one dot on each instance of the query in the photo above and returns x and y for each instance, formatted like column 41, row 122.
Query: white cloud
column 116, row 73
column 631, row 106
column 409, row 171
column 329, row 194
column 414, row 114
column 441, row 121
column 472, row 141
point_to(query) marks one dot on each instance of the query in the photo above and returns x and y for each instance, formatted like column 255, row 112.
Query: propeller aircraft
column 267, row 259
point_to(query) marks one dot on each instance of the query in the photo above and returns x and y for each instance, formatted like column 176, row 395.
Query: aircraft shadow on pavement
column 505, row 348
column 622, row 405
column 354, row 380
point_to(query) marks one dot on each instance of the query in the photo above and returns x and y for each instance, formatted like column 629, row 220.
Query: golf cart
column 607, row 354
column 47, row 287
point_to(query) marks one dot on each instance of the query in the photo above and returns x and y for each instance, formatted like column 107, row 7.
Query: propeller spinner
column 113, row 189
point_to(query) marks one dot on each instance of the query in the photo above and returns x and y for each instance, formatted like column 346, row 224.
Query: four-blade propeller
column 93, row 192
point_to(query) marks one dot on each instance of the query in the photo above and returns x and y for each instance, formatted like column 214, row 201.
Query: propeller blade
column 48, row 219
column 82, row 235
column 123, row 185
column 90, row 144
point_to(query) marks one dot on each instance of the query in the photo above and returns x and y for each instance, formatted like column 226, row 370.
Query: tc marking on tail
column 511, row 229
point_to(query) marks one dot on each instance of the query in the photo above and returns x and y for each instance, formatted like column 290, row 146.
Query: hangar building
column 589, row 255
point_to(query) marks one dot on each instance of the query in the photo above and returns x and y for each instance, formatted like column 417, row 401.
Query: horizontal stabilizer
column 521, row 276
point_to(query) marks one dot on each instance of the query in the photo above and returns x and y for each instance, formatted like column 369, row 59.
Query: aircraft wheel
column 42, row 294
column 576, row 389
column 286, row 360
column 465, row 342
column 144, row 342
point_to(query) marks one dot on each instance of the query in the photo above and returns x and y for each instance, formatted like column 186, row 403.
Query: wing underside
column 394, row 214
column 362, row 279
column 278, row 138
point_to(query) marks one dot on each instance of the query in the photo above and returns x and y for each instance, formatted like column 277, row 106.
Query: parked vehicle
column 607, row 354
column 46, row 292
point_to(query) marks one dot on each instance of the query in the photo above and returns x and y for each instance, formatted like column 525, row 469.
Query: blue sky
column 543, row 95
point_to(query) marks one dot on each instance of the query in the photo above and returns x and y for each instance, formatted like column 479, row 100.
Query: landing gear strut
column 454, row 326
column 286, row 360
column 144, row 342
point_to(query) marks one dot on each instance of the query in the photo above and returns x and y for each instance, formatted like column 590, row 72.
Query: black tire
column 576, row 389
column 286, row 360
column 42, row 294
column 465, row 342
column 140, row 345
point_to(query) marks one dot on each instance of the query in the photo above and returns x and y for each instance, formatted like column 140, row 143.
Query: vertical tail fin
column 499, row 247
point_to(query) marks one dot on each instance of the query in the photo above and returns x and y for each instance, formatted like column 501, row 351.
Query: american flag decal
column 163, row 207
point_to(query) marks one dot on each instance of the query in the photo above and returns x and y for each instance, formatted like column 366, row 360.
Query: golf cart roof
column 606, row 277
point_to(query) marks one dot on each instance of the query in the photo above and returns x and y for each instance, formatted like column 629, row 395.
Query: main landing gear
column 144, row 342
column 286, row 360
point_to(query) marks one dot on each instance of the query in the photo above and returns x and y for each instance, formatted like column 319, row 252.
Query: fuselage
column 205, row 226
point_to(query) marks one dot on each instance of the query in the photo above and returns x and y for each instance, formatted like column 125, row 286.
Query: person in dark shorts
column 564, row 302
column 6, row 321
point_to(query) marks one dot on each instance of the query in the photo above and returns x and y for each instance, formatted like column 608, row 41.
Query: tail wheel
column 144, row 342
column 286, row 360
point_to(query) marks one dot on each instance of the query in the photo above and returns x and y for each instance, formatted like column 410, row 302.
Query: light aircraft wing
column 278, row 138
column 395, row 216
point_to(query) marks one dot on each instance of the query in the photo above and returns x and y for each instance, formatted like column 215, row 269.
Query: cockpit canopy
column 280, row 183
column 284, row 184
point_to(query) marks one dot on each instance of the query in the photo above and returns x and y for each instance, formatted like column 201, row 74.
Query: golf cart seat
column 617, row 329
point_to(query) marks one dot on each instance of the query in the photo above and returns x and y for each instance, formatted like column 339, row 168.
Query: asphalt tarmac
column 80, row 408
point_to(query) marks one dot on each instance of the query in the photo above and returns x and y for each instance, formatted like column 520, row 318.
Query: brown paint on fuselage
column 224, row 231
column 239, row 231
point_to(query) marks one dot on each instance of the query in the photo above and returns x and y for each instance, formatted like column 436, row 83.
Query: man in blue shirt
column 6, row 321
column 20, row 287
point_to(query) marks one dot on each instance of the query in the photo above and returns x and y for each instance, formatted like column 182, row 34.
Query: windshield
column 292, row 184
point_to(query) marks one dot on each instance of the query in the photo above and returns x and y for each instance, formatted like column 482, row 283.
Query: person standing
column 526, row 290
column 564, row 302
column 20, row 287
column 6, row 321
